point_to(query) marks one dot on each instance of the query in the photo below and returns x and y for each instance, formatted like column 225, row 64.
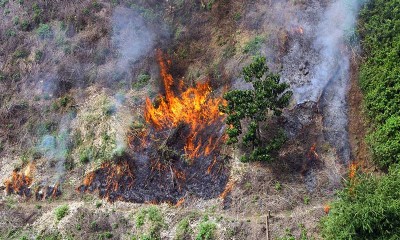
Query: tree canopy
column 251, row 107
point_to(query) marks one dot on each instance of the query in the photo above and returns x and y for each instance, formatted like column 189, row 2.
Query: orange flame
column 299, row 30
column 313, row 152
column 327, row 208
column 180, row 202
column 114, row 174
column 228, row 188
column 353, row 170
column 194, row 107
column 19, row 180
column 210, row 167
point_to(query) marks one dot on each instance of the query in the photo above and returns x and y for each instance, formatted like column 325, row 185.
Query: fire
column 183, row 125
column 327, row 208
column 180, row 202
column 194, row 107
column 228, row 188
column 312, row 154
column 117, row 176
column 352, row 170
column 210, row 167
column 299, row 30
column 20, row 181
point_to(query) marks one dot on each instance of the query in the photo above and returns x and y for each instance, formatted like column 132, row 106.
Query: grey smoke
column 332, row 35
column 131, row 37
column 134, row 39
column 330, row 76
column 56, row 147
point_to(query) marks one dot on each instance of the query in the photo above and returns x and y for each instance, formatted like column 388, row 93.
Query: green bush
column 142, row 80
column 105, row 235
column 206, row 231
column 368, row 208
column 385, row 142
column 3, row 3
column 37, row 13
column 38, row 55
column 24, row 25
column 20, row 53
column 380, row 77
column 61, row 212
column 254, row 107
column 155, row 222
column 85, row 155
column 183, row 229
column 44, row 31
column 253, row 45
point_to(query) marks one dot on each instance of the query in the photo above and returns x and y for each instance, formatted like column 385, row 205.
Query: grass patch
column 61, row 211
column 254, row 45
column 142, row 80
column 206, row 230
column 150, row 222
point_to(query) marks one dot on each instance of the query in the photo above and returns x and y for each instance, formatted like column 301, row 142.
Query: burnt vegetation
column 108, row 107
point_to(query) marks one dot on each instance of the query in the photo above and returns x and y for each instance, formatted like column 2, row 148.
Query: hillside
column 113, row 127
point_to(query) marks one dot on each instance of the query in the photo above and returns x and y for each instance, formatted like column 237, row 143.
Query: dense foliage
column 253, row 107
column 380, row 77
column 369, row 208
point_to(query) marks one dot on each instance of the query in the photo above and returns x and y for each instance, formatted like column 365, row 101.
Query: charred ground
column 73, row 103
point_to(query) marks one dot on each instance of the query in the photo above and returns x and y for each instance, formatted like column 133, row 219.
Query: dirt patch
column 358, row 124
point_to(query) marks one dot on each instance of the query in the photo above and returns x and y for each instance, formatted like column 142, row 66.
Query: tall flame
column 194, row 107
column 20, row 181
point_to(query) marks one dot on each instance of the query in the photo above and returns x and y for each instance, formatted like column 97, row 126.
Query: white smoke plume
column 131, row 36
column 331, row 42
column 330, row 76
column 56, row 147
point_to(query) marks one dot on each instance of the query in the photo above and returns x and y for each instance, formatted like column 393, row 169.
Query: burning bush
column 193, row 107
column 20, row 181
column 177, row 152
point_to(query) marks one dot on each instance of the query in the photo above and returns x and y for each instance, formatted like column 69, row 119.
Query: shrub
column 156, row 222
column 44, row 31
column 183, row 229
column 20, row 53
column 253, row 45
column 106, row 235
column 37, row 13
column 85, row 156
column 142, row 80
column 3, row 3
column 385, row 142
column 10, row 33
column 206, row 231
column 368, row 208
column 24, row 25
column 61, row 212
column 380, row 77
column 254, row 107
column 38, row 55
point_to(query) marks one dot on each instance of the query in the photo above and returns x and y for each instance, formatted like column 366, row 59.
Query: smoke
column 132, row 38
column 333, row 34
column 330, row 75
column 56, row 147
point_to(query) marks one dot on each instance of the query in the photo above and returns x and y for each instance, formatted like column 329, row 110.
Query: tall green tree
column 267, row 98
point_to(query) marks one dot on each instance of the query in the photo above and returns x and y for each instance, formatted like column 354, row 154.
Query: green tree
column 268, row 97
